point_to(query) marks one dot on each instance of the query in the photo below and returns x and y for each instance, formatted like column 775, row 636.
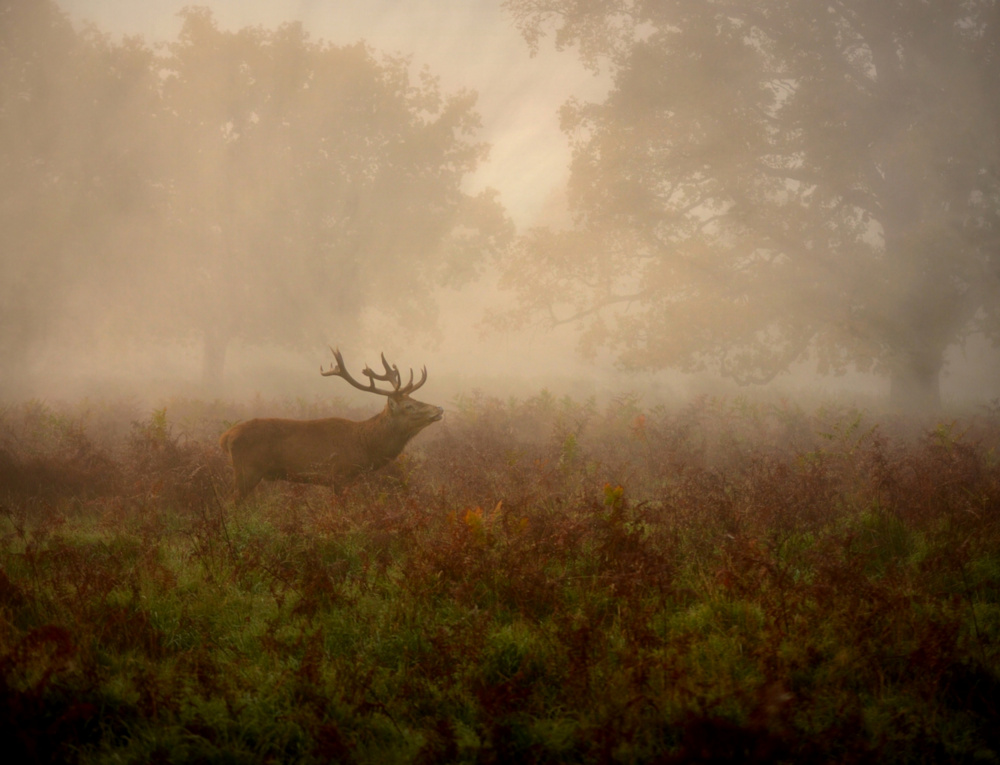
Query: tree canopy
column 771, row 182
column 252, row 185
column 68, row 165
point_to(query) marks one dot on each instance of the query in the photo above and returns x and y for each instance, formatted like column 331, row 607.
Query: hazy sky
column 467, row 43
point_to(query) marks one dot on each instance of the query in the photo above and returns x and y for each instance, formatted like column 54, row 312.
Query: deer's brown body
column 330, row 451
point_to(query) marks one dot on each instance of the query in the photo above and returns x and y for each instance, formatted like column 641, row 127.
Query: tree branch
column 596, row 308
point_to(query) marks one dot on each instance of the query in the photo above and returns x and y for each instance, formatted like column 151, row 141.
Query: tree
column 769, row 182
column 70, row 169
column 308, row 182
column 253, row 186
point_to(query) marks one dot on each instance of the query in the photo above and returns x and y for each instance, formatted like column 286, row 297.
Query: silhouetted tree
column 71, row 168
column 774, row 181
column 309, row 182
column 252, row 185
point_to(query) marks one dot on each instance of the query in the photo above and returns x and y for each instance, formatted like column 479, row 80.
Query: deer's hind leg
column 245, row 480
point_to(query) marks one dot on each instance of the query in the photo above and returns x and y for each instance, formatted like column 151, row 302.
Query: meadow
column 536, row 580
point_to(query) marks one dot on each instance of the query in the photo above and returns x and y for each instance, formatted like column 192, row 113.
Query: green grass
column 539, row 581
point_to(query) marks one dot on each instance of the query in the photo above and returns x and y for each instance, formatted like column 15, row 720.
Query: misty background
column 670, row 198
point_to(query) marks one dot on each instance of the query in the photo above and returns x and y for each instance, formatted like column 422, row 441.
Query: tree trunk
column 915, row 381
column 213, row 360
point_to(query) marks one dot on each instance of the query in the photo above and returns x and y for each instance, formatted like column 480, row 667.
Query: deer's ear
column 393, row 404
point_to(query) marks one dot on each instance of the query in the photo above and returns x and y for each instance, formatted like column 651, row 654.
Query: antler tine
column 339, row 370
column 395, row 372
column 336, row 367
column 410, row 386
column 390, row 376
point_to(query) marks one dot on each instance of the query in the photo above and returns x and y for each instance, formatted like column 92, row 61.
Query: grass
column 536, row 581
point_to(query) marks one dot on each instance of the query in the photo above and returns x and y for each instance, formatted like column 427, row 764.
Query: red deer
column 331, row 451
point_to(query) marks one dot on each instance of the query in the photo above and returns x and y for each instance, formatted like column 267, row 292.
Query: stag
column 330, row 451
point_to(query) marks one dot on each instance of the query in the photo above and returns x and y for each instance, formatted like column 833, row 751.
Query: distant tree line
column 773, row 181
column 255, row 186
column 768, row 182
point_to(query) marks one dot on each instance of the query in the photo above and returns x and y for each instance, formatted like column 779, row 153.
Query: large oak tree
column 771, row 181
column 253, row 186
column 309, row 182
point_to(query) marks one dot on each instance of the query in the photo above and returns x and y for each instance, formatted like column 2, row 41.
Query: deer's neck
column 383, row 438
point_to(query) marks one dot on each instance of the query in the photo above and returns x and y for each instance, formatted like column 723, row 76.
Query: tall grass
column 537, row 580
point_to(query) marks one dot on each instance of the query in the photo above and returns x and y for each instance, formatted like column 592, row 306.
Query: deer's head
column 407, row 414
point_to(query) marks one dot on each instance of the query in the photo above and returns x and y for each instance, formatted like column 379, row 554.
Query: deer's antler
column 391, row 376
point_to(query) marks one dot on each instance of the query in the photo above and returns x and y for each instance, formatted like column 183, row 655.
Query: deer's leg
column 245, row 480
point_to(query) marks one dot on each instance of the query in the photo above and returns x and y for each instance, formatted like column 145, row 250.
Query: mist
column 499, row 380
column 228, row 192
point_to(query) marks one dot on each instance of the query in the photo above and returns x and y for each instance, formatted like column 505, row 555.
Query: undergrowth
column 535, row 581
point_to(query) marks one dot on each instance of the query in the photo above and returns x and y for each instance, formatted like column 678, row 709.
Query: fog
column 107, row 295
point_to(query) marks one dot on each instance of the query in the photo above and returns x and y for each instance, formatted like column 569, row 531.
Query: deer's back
column 293, row 445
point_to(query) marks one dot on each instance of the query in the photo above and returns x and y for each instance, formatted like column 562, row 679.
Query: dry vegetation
column 536, row 581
